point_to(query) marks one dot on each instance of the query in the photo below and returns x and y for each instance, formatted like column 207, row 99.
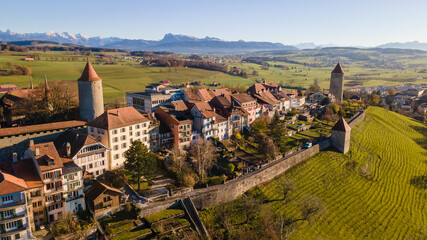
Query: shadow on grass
column 421, row 141
column 419, row 182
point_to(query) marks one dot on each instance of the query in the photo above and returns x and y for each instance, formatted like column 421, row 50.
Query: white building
column 72, row 183
column 84, row 150
column 117, row 129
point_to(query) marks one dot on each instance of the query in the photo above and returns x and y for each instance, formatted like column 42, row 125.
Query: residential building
column 26, row 170
column 14, row 222
column 49, row 167
column 72, row 183
column 148, row 101
column 102, row 199
column 179, row 121
column 117, row 129
column 207, row 122
column 84, row 150
column 247, row 103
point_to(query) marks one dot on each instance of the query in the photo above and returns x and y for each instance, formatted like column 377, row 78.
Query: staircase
column 191, row 211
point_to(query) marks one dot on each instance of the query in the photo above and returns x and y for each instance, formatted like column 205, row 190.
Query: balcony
column 13, row 217
column 6, row 233
column 6, row 206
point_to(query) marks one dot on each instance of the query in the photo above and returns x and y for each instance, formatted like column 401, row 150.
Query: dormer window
column 50, row 162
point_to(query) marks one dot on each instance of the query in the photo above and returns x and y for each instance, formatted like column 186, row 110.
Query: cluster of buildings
column 44, row 167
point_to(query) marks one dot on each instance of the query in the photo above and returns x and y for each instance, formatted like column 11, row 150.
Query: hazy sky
column 342, row 22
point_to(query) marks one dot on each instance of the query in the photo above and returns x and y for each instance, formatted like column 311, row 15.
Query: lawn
column 167, row 213
column 132, row 234
column 387, row 201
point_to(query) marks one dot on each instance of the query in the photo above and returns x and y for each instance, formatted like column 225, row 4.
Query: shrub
column 230, row 167
column 238, row 136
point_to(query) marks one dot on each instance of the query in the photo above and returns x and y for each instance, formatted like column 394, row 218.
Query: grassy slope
column 386, row 207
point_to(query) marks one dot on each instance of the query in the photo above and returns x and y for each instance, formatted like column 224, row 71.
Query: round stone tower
column 340, row 136
column 91, row 100
column 336, row 86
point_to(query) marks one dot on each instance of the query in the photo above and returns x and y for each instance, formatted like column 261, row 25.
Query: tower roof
column 89, row 74
column 338, row 69
column 341, row 126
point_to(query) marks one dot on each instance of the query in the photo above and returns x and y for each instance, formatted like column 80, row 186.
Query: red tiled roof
column 89, row 74
column 242, row 98
column 47, row 153
column 192, row 96
column 271, row 84
column 11, row 184
column 221, row 91
column 116, row 118
column 26, row 170
column 338, row 69
column 40, row 128
column 205, row 109
column 179, row 105
column 256, row 88
column 205, row 94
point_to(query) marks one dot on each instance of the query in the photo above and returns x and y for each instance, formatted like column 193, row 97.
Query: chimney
column 37, row 152
column 15, row 157
column 31, row 142
column 117, row 113
column 68, row 147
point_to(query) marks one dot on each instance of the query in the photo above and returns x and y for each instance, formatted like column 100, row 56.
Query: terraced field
column 376, row 191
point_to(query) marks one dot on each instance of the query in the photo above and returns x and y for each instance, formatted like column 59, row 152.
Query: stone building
column 91, row 101
column 340, row 136
column 336, row 86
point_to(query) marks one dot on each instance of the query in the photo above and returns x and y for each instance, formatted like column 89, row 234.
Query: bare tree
column 203, row 155
column 285, row 186
column 178, row 157
column 267, row 148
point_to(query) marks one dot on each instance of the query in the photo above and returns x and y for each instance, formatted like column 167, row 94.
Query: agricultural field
column 363, row 68
column 376, row 191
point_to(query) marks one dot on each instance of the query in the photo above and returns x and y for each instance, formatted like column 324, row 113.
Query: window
column 130, row 128
column 138, row 134
column 7, row 199
column 101, row 154
column 107, row 198
column 114, row 131
column 97, row 164
column 57, row 174
column 137, row 126
column 123, row 130
column 90, row 166
column 17, row 236
column 91, row 129
column 123, row 137
column 116, row 147
column 84, row 159
column 48, row 175
column 123, row 145
column 144, row 125
column 99, row 138
column 102, row 163
column 116, row 156
column 115, row 139
column 8, row 213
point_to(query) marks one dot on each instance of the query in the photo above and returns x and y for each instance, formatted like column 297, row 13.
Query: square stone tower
column 340, row 136
column 336, row 86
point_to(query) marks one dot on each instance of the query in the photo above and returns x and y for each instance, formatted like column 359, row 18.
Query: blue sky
column 342, row 22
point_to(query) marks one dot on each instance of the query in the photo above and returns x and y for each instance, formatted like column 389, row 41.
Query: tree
column 391, row 91
column 277, row 131
column 325, row 101
column 267, row 147
column 140, row 161
column 335, row 107
column 374, row 99
column 255, row 73
column 285, row 186
column 203, row 155
column 178, row 158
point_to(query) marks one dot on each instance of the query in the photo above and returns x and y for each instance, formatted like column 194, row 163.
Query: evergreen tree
column 140, row 161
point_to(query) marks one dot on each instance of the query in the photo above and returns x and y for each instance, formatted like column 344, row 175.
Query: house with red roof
column 209, row 123
column 116, row 129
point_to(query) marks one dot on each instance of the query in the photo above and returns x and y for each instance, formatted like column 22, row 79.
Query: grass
column 167, row 213
column 386, row 202
column 121, row 228
column 132, row 234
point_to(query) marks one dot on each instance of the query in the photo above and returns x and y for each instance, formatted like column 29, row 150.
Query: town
column 188, row 139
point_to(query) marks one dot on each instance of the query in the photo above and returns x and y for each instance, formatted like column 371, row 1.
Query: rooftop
column 89, row 74
column 338, row 69
column 12, row 131
column 116, row 118
column 341, row 126
column 26, row 170
column 48, row 157
column 76, row 139
column 11, row 184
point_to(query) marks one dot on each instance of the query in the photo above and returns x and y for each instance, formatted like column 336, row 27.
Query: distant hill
column 170, row 42
column 405, row 45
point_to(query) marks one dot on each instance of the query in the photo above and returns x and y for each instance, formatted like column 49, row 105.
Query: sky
column 340, row 22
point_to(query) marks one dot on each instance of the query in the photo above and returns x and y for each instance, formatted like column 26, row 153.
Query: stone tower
column 340, row 136
column 91, row 100
column 336, row 86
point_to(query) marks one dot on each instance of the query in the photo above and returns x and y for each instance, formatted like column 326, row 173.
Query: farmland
column 376, row 191
column 363, row 68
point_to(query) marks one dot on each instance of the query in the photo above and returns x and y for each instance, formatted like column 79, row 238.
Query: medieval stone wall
column 356, row 119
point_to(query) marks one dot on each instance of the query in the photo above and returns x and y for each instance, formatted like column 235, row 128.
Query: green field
column 117, row 79
column 387, row 201
column 363, row 68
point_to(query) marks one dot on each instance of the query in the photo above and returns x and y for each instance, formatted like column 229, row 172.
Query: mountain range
column 178, row 43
